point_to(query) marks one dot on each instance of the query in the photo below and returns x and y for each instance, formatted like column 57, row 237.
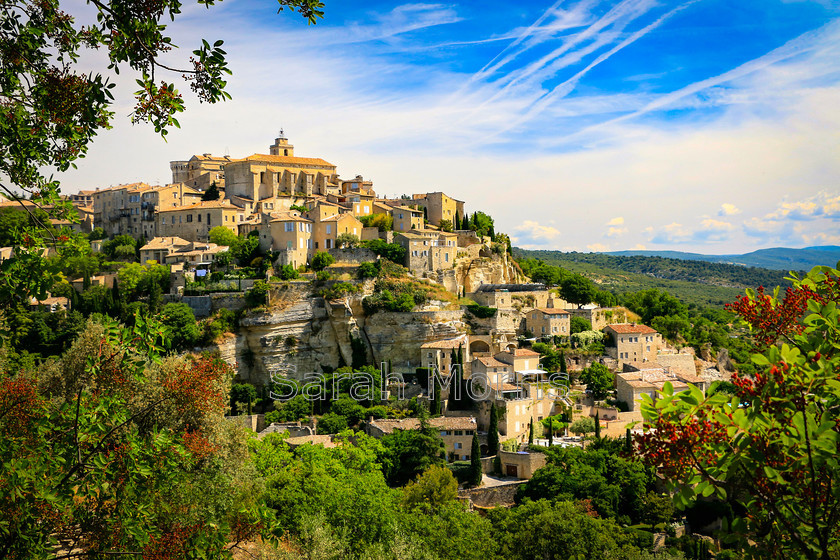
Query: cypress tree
column 475, row 461
column 493, row 431
column 435, row 398
column 155, row 297
column 563, row 368
column 597, row 427
column 491, row 231
column 465, row 221
column 550, row 431
column 457, row 221
column 531, row 432
column 86, row 281
column 628, row 442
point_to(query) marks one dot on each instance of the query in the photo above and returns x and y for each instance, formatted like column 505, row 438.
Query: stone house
column 406, row 219
column 438, row 354
column 630, row 342
column 543, row 322
column 600, row 317
column 158, row 248
column 521, row 464
column 428, row 250
column 194, row 222
column 505, row 296
column 291, row 236
column 439, row 206
column 456, row 432
column 647, row 378
column 200, row 171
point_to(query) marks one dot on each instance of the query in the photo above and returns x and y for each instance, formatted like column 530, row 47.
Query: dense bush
column 481, row 311
column 321, row 260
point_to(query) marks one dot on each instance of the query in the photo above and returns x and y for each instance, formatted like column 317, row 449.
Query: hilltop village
column 460, row 309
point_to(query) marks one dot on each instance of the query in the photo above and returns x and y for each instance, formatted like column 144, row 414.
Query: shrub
column 480, row 311
column 322, row 275
column 322, row 260
column 392, row 251
column 339, row 290
column 258, row 294
column 368, row 270
column 288, row 272
column 346, row 240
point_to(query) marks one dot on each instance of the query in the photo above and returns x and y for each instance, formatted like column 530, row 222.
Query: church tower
column 281, row 146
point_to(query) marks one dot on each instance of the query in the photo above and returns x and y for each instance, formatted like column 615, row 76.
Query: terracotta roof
column 505, row 387
column 288, row 159
column 491, row 362
column 326, row 440
column 521, row 352
column 552, row 311
column 442, row 423
column 630, row 328
column 448, row 343
column 163, row 243
column 289, row 217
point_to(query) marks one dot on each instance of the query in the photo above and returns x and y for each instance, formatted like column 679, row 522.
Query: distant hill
column 708, row 284
column 777, row 258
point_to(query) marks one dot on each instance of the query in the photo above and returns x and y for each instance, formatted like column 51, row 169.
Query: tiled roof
column 289, row 159
column 448, row 343
column 522, row 352
column 163, row 243
column 552, row 311
column 442, row 423
column 630, row 328
column 491, row 362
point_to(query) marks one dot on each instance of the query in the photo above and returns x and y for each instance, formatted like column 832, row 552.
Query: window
column 163, row 220
column 458, row 443
column 199, row 218
column 308, row 243
column 446, row 257
column 208, row 218
column 329, row 244
column 288, row 245
column 400, row 214
column 289, row 226
column 443, row 432
column 355, row 232
column 329, row 229
column 189, row 218
column 459, row 432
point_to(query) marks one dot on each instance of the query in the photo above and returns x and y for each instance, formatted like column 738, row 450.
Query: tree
column 445, row 225
column 493, row 431
column 599, row 380
column 577, row 289
column 531, row 432
column 431, row 491
column 770, row 449
column 583, row 426
column 411, row 452
column 288, row 272
column 105, row 452
column 220, row 235
column 346, row 240
column 331, row 423
column 475, row 461
column 242, row 393
column 180, row 321
column 211, row 193
column 321, row 260
column 579, row 324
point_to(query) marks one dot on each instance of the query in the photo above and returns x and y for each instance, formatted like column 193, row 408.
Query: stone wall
column 200, row 305
column 356, row 255
column 492, row 496
column 232, row 301
column 677, row 363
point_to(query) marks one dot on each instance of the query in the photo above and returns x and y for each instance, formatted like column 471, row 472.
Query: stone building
column 629, row 342
column 200, row 171
column 544, row 322
column 456, row 432
column 646, row 378
column 428, row 250
column 194, row 222
column 439, row 206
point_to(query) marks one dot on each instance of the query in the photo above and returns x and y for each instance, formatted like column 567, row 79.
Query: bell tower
column 281, row 146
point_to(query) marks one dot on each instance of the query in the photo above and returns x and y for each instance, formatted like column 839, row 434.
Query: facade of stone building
column 439, row 206
column 544, row 322
column 428, row 250
column 194, row 222
column 456, row 432
column 629, row 342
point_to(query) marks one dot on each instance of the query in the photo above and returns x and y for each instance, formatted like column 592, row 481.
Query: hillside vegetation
column 701, row 283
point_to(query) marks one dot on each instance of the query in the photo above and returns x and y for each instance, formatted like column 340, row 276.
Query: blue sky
column 706, row 125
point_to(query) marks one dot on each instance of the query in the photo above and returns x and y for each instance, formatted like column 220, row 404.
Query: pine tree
column 493, row 431
column 212, row 193
column 475, row 461
column 531, row 432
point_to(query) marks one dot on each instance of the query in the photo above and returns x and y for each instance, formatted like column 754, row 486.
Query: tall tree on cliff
column 493, row 431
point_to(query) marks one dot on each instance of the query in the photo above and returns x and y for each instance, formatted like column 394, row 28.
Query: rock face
column 488, row 268
column 309, row 334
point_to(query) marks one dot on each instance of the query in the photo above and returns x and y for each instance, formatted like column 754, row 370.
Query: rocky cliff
column 487, row 267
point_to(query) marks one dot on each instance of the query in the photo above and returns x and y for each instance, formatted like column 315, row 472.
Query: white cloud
column 727, row 209
column 531, row 234
column 597, row 247
column 618, row 221
column 616, row 231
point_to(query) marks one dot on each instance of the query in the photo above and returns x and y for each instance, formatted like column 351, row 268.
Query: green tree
column 531, row 432
column 475, row 461
column 242, row 394
column 220, row 235
column 445, row 225
column 493, row 431
column 582, row 426
column 599, row 380
column 321, row 260
column 411, row 452
column 771, row 448
column 288, row 272
column 180, row 322
column 432, row 490
column 579, row 324
column 212, row 193
column 577, row 289
column 346, row 240
column 331, row 423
